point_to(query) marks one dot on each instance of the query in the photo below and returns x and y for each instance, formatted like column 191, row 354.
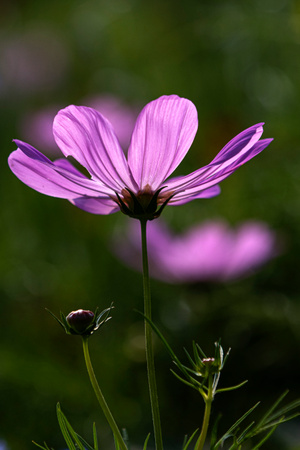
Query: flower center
column 145, row 204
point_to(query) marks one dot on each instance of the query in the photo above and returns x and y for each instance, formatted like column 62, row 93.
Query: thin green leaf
column 65, row 323
column 56, row 318
column 243, row 435
column 277, row 422
column 231, row 388
column 146, row 442
column 198, row 360
column 230, row 431
column 225, row 358
column 173, row 356
column 95, row 437
column 284, row 410
column 70, row 433
column 184, row 381
column 219, row 352
column 84, row 443
column 215, row 382
column 201, row 351
column 187, row 443
column 190, row 358
column 44, row 448
column 265, row 438
column 270, row 410
column 104, row 315
column 64, row 429
column 235, row 446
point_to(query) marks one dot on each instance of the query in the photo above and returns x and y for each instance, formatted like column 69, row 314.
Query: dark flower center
column 145, row 204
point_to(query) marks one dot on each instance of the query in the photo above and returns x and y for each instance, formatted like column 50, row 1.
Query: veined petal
column 211, row 176
column 164, row 132
column 240, row 143
column 184, row 197
column 65, row 164
column 86, row 135
column 41, row 174
column 96, row 205
column 221, row 167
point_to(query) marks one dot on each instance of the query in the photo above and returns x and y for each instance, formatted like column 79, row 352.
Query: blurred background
column 239, row 63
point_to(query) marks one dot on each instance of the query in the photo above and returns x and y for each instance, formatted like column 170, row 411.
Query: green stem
column 208, row 401
column 100, row 397
column 149, row 344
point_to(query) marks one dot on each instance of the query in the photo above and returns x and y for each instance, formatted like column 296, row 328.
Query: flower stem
column 208, row 401
column 149, row 344
column 100, row 397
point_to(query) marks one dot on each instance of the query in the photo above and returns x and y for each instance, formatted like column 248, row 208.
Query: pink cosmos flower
column 208, row 252
column 139, row 184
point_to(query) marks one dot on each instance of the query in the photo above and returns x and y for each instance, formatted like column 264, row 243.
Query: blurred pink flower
column 37, row 126
column 208, row 252
column 33, row 61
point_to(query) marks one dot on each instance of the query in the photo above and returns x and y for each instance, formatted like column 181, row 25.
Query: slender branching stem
column 100, row 397
column 149, row 344
column 208, row 401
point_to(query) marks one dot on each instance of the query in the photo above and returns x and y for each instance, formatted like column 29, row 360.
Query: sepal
column 144, row 205
column 83, row 322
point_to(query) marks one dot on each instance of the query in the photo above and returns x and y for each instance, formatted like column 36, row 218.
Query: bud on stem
column 80, row 321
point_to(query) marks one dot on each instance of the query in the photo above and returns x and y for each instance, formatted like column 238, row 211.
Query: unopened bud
column 80, row 321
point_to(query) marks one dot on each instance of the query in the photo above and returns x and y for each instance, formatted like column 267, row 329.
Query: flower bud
column 80, row 321
column 210, row 366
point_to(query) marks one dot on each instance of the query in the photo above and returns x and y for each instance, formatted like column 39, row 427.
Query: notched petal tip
column 29, row 151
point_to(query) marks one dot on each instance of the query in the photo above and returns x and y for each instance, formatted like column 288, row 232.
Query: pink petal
column 86, row 135
column 186, row 197
column 164, row 132
column 65, row 164
column 122, row 116
column 95, row 205
column 240, row 143
column 215, row 172
column 39, row 173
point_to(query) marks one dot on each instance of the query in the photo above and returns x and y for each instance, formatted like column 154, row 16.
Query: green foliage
column 266, row 425
column 201, row 366
column 187, row 441
column 146, row 442
column 204, row 367
column 75, row 442
column 236, row 436
column 72, row 439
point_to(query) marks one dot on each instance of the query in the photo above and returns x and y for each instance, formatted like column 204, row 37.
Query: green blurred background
column 239, row 62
